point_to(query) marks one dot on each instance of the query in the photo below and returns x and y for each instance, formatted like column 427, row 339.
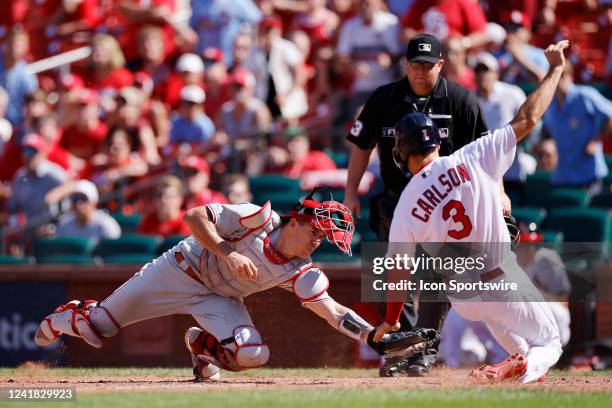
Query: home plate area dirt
column 32, row 375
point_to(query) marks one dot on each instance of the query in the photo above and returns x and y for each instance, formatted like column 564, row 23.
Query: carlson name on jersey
column 437, row 193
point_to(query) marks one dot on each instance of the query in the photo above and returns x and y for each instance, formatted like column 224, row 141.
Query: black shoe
column 421, row 364
column 418, row 365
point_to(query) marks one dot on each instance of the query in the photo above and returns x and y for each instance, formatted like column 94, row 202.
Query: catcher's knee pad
column 71, row 319
column 250, row 351
column 242, row 351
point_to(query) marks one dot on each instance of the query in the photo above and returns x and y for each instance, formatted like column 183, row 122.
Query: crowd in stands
column 169, row 111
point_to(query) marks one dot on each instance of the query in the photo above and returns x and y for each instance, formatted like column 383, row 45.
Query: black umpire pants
column 430, row 314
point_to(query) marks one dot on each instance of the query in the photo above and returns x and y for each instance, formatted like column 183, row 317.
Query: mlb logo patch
column 443, row 132
column 424, row 47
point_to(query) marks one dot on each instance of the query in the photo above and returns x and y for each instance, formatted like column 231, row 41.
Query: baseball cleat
column 202, row 370
column 512, row 368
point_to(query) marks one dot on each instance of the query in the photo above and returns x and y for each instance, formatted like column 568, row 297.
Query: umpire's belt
column 492, row 274
column 178, row 255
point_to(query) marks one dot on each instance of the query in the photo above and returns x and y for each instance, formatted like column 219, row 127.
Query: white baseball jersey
column 457, row 198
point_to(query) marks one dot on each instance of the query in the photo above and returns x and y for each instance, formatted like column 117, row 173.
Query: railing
column 69, row 57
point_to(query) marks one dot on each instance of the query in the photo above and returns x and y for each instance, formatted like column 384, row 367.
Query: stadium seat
column 169, row 242
column 581, row 224
column 127, row 259
column 566, row 197
column 128, row 223
column 537, row 188
column 587, row 233
column 14, row 260
column 273, row 183
column 555, row 237
column 602, row 201
column 282, row 202
column 50, row 247
column 67, row 259
column 528, row 215
column 131, row 244
column 340, row 158
column 608, row 159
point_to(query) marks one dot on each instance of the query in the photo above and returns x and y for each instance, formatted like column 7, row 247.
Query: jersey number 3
column 458, row 217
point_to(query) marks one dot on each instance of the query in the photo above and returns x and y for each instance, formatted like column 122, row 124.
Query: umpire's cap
column 414, row 133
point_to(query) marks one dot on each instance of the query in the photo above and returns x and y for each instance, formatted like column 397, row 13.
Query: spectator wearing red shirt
column 295, row 159
column 189, row 71
column 117, row 165
column 48, row 128
column 85, row 137
column 196, row 175
column 106, row 66
column 447, row 18
column 497, row 11
column 63, row 19
column 319, row 23
column 151, row 57
column 166, row 218
column 130, row 115
column 123, row 19
column 216, row 81
column 455, row 67
column 302, row 159
column 34, row 107
column 14, row 14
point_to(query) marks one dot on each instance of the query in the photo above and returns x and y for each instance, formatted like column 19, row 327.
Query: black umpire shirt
column 453, row 108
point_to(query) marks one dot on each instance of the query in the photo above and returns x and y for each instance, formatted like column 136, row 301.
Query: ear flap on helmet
column 400, row 162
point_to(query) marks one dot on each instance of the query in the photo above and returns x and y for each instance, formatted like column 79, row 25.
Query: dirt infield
column 34, row 376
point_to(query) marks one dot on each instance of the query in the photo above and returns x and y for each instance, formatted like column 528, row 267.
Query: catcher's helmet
column 329, row 216
column 414, row 133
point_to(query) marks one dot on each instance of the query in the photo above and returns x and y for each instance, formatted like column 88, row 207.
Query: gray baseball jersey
column 251, row 230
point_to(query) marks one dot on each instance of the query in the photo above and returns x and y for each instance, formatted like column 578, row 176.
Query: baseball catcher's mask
column 331, row 217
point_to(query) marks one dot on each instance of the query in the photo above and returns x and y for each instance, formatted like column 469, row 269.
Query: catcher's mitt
column 402, row 345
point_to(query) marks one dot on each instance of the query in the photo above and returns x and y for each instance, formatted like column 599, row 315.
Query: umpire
column 455, row 111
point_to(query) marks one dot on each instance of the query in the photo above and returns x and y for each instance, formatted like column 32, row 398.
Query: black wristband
column 376, row 346
column 225, row 247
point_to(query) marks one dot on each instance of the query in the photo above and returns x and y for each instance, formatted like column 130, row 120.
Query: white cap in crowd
column 488, row 60
column 88, row 189
column 193, row 94
column 190, row 63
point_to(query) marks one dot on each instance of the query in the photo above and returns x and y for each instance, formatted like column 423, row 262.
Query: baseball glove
column 405, row 344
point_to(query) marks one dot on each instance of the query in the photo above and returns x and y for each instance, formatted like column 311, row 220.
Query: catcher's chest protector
column 270, row 271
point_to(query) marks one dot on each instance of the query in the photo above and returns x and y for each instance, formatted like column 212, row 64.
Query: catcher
column 235, row 250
